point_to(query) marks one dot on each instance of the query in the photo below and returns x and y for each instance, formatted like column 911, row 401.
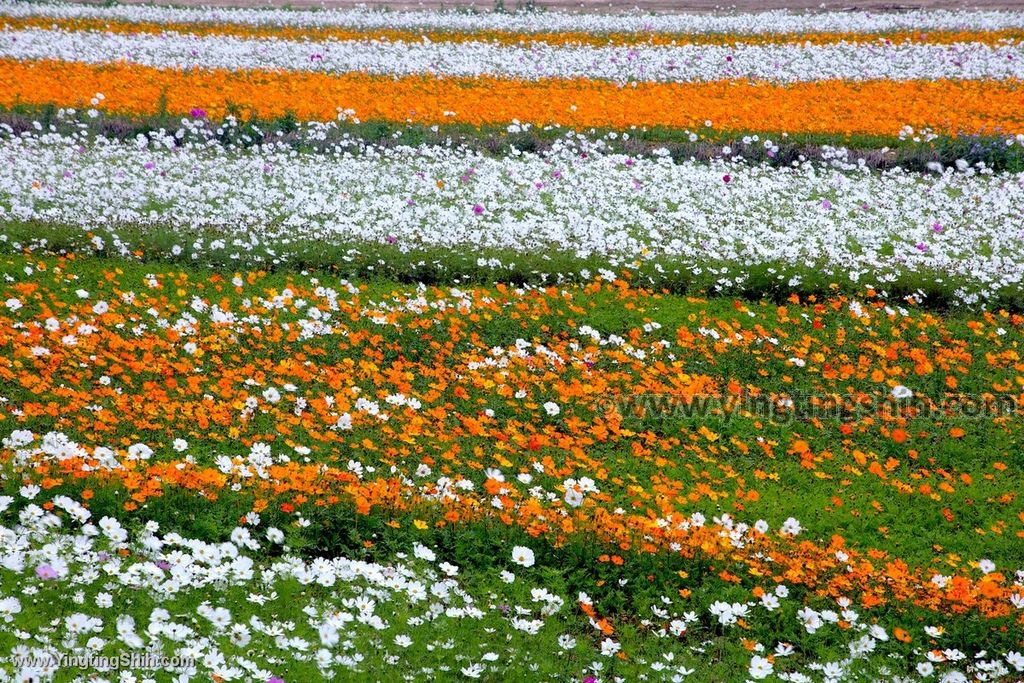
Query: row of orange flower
column 834, row 570
column 876, row 107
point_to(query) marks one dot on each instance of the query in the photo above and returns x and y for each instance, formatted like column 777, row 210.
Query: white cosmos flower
column 791, row 527
column 423, row 552
column 473, row 670
column 522, row 556
column 901, row 392
column 760, row 667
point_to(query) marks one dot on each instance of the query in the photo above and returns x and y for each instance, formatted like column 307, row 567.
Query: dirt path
column 664, row 6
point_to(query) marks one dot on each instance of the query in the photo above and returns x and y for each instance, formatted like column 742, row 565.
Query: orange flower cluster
column 219, row 384
column 874, row 576
column 879, row 107
column 945, row 37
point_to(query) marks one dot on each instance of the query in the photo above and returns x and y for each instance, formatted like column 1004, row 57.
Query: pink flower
column 727, row 178
column 478, row 209
column 46, row 572
column 826, row 204
column 198, row 113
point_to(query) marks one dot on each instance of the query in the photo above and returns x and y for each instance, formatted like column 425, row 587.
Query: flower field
column 360, row 345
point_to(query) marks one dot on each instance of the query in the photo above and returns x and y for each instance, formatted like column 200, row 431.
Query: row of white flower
column 753, row 23
column 782, row 63
column 850, row 222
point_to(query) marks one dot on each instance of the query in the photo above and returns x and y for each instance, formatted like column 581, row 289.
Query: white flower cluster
column 785, row 62
column 737, row 23
column 962, row 227
column 344, row 605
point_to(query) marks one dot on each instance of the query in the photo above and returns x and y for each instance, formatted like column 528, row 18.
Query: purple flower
column 149, row 165
column 826, row 204
column 275, row 679
column 478, row 209
column 921, row 246
column 198, row 113
column 727, row 178
column 46, row 572
column 937, row 227
column 391, row 239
